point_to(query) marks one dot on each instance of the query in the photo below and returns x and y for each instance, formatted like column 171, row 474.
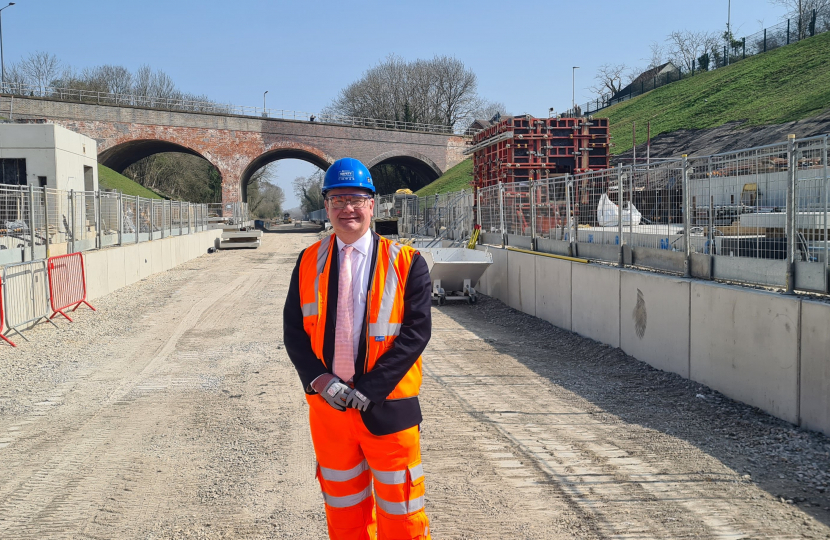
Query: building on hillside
column 649, row 80
column 47, row 155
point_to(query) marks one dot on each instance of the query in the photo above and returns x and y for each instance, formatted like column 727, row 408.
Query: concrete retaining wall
column 110, row 269
column 764, row 349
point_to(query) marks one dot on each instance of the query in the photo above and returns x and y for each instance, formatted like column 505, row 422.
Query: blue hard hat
column 348, row 172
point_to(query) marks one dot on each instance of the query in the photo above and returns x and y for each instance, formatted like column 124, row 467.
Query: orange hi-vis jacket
column 384, row 304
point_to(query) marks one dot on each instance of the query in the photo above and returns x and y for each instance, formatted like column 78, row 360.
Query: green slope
column 789, row 83
column 109, row 179
column 455, row 179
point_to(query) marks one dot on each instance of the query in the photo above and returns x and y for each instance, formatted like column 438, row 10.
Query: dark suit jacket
column 383, row 417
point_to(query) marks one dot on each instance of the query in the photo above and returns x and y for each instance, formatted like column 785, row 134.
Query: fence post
column 619, row 213
column 72, row 218
column 687, row 218
column 120, row 218
column 97, row 207
column 826, row 186
column 765, row 40
column 32, row 221
column 501, row 215
column 792, row 166
column 478, row 200
column 568, row 214
column 46, row 220
column 137, row 218
column 532, row 215
column 788, row 31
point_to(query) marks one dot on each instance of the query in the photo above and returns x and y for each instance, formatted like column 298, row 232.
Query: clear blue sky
column 304, row 52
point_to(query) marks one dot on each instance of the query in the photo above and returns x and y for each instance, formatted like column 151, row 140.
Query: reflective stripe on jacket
column 384, row 304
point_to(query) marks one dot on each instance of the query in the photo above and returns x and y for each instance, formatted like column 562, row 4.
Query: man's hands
column 332, row 389
column 338, row 394
column 358, row 401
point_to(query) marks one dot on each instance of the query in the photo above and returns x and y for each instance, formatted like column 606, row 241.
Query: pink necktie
column 343, row 345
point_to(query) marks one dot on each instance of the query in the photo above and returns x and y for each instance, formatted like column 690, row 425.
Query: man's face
column 350, row 223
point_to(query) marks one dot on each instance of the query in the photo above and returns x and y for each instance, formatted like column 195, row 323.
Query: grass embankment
column 787, row 84
column 109, row 179
column 455, row 179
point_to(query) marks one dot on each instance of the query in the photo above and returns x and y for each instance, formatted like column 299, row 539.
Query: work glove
column 358, row 401
column 333, row 390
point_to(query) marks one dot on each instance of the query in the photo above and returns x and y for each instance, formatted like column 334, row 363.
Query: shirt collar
column 362, row 244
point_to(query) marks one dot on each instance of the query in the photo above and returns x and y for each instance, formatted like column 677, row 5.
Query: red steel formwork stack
column 523, row 148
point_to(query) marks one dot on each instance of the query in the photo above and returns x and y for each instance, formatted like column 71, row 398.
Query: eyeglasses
column 339, row 202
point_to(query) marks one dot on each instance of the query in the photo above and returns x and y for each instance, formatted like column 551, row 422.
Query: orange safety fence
column 67, row 283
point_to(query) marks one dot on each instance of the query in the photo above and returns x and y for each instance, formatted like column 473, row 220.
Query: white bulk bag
column 630, row 214
column 608, row 214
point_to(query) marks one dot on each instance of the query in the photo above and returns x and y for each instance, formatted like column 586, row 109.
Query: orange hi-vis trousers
column 350, row 460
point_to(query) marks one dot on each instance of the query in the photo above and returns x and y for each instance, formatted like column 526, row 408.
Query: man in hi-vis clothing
column 356, row 320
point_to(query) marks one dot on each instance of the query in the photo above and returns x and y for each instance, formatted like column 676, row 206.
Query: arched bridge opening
column 393, row 171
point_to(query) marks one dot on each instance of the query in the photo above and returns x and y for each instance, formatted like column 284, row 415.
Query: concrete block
column 116, row 269
column 497, row 275
column 654, row 320
column 145, row 255
column 166, row 254
column 595, row 303
column 131, row 264
column 97, row 282
column 815, row 366
column 553, row 291
column 521, row 282
column 156, row 265
column 744, row 343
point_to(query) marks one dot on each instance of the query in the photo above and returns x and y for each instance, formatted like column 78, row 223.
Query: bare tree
column 437, row 91
column 685, row 46
column 309, row 189
column 41, row 69
column 802, row 12
column 658, row 55
column 490, row 109
column 609, row 79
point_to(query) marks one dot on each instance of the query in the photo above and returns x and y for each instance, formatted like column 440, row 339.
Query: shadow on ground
column 782, row 459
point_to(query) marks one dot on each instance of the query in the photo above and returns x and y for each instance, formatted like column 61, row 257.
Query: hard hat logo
column 348, row 173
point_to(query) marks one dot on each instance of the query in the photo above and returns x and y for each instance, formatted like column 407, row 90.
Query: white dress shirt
column 361, row 255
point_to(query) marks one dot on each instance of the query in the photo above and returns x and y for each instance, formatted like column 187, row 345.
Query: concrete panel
column 553, row 291
column 145, row 255
column 521, row 282
column 97, row 281
column 660, row 259
column 595, row 304
column 482, row 285
column 523, row 242
column 497, row 275
column 815, row 366
column 131, row 264
column 156, row 265
column 744, row 343
column 166, row 254
column 557, row 247
column 116, row 269
column 654, row 320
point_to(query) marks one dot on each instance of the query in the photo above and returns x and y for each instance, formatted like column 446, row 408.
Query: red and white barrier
column 67, row 283
column 3, row 319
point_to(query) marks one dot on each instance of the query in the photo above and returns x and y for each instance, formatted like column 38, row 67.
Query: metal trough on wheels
column 455, row 271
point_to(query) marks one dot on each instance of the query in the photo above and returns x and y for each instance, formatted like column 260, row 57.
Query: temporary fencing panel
column 3, row 319
column 25, row 294
column 67, row 283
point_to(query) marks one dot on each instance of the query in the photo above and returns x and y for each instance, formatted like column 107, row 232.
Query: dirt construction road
column 174, row 412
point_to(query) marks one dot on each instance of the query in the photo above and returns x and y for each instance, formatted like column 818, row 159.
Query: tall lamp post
column 573, row 90
column 2, row 63
column 263, row 104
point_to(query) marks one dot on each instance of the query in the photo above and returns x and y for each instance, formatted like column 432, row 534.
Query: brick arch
column 275, row 152
column 419, row 163
column 121, row 155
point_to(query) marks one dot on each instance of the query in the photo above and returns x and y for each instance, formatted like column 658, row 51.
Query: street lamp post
column 263, row 104
column 2, row 63
column 573, row 90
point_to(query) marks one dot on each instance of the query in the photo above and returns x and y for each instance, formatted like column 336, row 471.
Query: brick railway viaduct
column 236, row 145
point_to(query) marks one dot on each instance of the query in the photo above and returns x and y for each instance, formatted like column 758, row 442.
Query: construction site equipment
column 3, row 318
column 474, row 238
column 25, row 295
column 455, row 271
column 524, row 148
column 235, row 238
column 67, row 284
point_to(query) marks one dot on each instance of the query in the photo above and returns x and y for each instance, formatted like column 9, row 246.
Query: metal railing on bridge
column 186, row 105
